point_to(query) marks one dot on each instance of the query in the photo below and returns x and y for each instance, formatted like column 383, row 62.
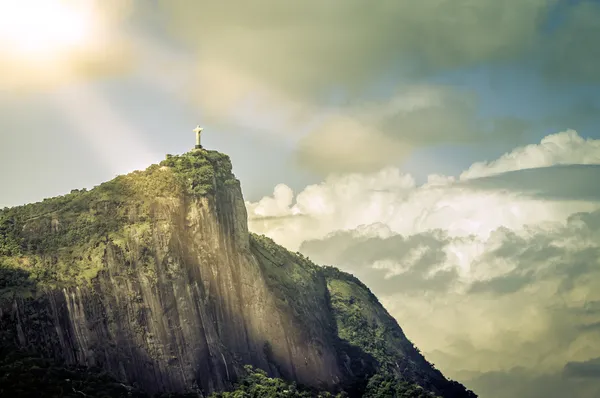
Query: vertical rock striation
column 155, row 278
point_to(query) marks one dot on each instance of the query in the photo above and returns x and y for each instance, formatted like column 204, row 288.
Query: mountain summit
column 154, row 278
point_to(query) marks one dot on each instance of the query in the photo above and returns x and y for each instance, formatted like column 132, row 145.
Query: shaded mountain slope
column 154, row 278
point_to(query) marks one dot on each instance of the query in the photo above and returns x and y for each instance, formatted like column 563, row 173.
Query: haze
column 446, row 152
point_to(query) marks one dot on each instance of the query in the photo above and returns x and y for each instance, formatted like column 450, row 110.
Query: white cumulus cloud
column 566, row 147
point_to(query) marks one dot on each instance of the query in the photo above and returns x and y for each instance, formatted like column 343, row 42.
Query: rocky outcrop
column 155, row 278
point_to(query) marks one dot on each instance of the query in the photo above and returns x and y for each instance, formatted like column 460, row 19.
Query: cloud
column 64, row 42
column 556, row 149
column 346, row 201
column 520, row 382
column 561, row 254
column 575, row 182
column 342, row 143
column 371, row 135
column 585, row 369
column 570, row 52
column 286, row 62
column 291, row 45
column 496, row 282
column 269, row 68
column 394, row 262
column 368, row 136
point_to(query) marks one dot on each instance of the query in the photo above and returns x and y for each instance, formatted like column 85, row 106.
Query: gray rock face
column 155, row 278
column 182, row 305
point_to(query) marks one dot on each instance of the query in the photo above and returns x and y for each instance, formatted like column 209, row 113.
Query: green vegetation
column 23, row 375
column 257, row 384
column 67, row 240
column 63, row 241
column 358, row 321
column 386, row 386
column 366, row 335
column 280, row 256
column 202, row 172
column 296, row 283
column 195, row 172
column 362, row 323
column 27, row 376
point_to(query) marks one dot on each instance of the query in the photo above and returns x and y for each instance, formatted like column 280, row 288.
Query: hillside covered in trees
column 151, row 285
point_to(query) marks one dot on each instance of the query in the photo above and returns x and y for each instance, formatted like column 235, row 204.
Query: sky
column 446, row 152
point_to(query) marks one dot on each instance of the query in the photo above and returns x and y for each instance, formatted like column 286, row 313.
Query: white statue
column 198, row 131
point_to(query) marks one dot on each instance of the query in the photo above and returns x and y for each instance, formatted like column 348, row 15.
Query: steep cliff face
column 154, row 277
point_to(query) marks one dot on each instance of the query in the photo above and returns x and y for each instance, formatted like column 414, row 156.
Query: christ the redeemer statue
column 198, row 131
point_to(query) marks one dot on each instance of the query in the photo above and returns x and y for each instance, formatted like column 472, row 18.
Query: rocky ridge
column 154, row 278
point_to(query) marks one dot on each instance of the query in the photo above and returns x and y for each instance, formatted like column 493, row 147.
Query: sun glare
column 48, row 42
column 44, row 30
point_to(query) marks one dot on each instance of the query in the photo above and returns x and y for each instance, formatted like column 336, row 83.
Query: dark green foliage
column 362, row 323
column 371, row 337
column 196, row 172
column 278, row 255
column 386, row 386
column 65, row 221
column 62, row 241
column 357, row 324
column 13, row 277
column 14, row 281
column 27, row 376
column 257, row 384
column 77, row 217
column 335, row 273
column 201, row 172
column 10, row 244
column 24, row 375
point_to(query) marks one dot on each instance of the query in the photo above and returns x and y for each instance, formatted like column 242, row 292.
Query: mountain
column 154, row 279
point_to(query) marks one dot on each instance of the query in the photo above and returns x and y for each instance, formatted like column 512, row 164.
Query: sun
column 45, row 30
column 45, row 42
